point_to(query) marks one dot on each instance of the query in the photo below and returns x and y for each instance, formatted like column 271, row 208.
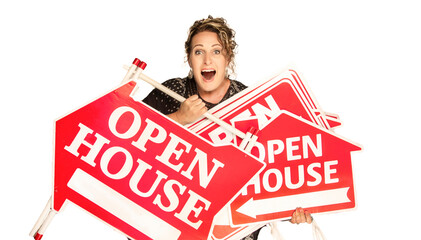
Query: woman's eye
column 198, row 52
column 217, row 51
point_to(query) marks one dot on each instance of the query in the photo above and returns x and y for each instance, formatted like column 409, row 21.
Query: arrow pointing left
column 254, row 207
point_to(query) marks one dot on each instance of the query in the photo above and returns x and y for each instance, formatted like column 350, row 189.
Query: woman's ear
column 189, row 61
column 190, row 74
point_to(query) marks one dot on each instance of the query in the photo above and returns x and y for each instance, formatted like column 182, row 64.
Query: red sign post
column 142, row 173
column 308, row 165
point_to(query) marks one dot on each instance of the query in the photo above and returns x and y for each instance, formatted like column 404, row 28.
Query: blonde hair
column 225, row 34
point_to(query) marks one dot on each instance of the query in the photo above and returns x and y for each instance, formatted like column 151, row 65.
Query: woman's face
column 208, row 62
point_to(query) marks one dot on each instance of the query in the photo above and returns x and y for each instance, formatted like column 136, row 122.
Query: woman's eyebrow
column 197, row 45
column 201, row 45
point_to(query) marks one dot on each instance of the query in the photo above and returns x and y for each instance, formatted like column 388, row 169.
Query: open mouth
column 208, row 74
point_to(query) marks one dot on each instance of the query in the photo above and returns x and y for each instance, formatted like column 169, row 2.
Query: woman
column 210, row 53
column 210, row 49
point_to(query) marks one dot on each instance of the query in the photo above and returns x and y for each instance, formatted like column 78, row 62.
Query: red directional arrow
column 142, row 173
column 307, row 166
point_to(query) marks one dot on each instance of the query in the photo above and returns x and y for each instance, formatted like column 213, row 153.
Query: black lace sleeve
column 163, row 102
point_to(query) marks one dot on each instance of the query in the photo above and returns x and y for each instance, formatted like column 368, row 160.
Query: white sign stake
column 43, row 221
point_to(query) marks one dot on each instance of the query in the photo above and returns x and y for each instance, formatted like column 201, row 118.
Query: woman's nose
column 208, row 59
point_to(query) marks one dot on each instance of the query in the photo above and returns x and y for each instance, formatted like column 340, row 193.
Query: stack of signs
column 142, row 173
column 307, row 164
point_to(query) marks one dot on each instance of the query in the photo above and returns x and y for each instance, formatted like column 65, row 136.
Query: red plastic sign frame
column 141, row 172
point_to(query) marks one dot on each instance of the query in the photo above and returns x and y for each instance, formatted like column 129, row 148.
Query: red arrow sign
column 263, row 102
column 272, row 104
column 307, row 166
column 141, row 172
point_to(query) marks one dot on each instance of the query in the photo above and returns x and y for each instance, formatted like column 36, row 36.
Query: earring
column 227, row 74
column 190, row 75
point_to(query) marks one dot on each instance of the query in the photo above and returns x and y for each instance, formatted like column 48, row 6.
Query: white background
column 361, row 60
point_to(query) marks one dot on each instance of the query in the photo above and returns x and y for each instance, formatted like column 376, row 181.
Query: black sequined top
column 185, row 87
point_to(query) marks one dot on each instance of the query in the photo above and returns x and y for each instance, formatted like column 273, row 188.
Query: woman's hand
column 301, row 216
column 189, row 110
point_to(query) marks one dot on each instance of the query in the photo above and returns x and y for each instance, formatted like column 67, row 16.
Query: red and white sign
column 142, row 173
column 308, row 165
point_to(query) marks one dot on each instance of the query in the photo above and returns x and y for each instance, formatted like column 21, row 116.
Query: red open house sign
column 142, row 173
column 308, row 165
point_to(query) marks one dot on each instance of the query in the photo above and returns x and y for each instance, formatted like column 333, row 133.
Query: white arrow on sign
column 252, row 207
